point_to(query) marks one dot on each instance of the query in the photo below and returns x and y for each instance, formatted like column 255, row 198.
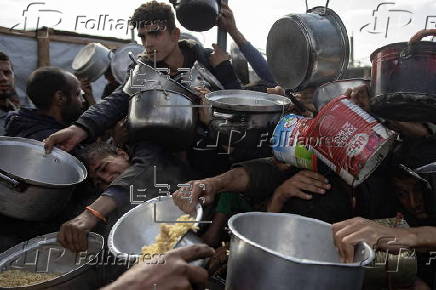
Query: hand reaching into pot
column 73, row 234
column 305, row 180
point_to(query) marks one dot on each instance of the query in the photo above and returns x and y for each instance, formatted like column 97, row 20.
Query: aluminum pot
column 306, row 50
column 91, row 61
column 162, row 116
column 140, row 226
column 286, row 251
column 238, row 112
column 196, row 15
column 120, row 60
column 328, row 91
column 143, row 77
column 34, row 185
column 44, row 254
column 402, row 81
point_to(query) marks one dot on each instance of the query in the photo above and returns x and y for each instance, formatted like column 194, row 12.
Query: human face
column 158, row 42
column 105, row 170
column 7, row 79
column 411, row 195
column 73, row 108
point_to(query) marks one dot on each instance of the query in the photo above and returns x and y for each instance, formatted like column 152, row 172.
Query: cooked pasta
column 20, row 278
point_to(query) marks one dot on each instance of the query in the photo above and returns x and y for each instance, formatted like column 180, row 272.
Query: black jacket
column 114, row 107
column 28, row 123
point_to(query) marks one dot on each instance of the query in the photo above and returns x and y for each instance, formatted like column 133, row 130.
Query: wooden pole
column 43, row 40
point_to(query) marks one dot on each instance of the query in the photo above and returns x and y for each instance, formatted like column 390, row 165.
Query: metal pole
column 222, row 34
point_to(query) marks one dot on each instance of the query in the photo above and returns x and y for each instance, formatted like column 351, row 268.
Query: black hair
column 154, row 12
column 97, row 150
column 44, row 82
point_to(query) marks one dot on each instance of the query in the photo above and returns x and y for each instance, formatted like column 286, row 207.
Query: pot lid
column 120, row 60
column 247, row 101
column 25, row 160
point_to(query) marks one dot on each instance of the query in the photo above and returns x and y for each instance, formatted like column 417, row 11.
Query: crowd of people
column 226, row 184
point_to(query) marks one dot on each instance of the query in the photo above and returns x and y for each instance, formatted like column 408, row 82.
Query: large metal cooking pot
column 328, row 91
column 144, row 77
column 44, row 254
column 196, row 15
column 239, row 111
column 403, row 81
column 162, row 116
column 306, row 50
column 91, row 61
column 286, row 251
column 120, row 60
column 140, row 226
column 34, row 185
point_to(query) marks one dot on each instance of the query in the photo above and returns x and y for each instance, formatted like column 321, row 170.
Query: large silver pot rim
column 126, row 256
column 289, row 258
column 56, row 151
column 278, row 102
column 50, row 238
column 163, row 90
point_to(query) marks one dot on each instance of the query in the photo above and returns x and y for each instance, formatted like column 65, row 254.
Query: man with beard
column 7, row 84
column 57, row 97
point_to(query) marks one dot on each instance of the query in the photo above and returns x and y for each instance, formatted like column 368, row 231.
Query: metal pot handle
column 407, row 52
column 226, row 116
column 325, row 8
column 12, row 183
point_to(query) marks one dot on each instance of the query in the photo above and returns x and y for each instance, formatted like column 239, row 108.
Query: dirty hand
column 200, row 190
column 175, row 273
column 218, row 56
column 359, row 96
column 295, row 186
column 348, row 233
column 66, row 139
column 73, row 234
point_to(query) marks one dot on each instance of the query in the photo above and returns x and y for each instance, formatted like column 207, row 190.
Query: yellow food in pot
column 20, row 278
column 168, row 237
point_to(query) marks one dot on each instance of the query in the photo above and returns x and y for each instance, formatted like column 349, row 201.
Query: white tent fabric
column 23, row 53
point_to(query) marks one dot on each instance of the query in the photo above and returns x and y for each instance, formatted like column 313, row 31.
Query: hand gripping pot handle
column 12, row 183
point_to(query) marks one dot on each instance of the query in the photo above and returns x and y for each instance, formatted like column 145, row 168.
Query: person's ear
column 59, row 98
column 123, row 154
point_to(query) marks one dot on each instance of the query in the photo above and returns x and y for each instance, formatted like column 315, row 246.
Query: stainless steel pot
column 44, row 254
column 306, row 50
column 242, row 110
column 144, row 77
column 328, row 91
column 120, row 60
column 91, row 61
column 196, row 15
column 286, row 251
column 35, row 186
column 162, row 116
column 140, row 226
